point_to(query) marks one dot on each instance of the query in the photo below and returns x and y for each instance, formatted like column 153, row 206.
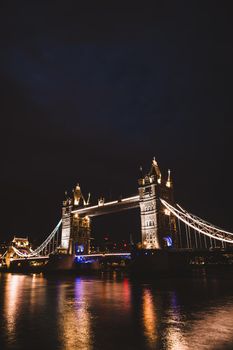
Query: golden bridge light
column 75, row 323
column 12, row 301
column 149, row 318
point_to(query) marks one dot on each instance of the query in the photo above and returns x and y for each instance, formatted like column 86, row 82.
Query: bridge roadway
column 91, row 255
column 109, row 207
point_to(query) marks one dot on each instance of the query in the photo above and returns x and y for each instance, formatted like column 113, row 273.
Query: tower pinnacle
column 155, row 169
column 169, row 181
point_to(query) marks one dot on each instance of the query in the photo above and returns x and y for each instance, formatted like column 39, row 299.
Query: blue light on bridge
column 84, row 260
column 168, row 240
column 79, row 249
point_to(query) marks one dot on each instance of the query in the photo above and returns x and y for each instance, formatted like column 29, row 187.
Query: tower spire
column 77, row 194
column 169, row 181
column 140, row 172
column 88, row 198
column 155, row 170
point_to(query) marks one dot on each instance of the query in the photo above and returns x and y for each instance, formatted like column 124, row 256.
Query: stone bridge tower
column 66, row 224
column 158, row 226
column 76, row 229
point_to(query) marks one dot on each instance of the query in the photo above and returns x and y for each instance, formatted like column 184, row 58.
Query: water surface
column 115, row 312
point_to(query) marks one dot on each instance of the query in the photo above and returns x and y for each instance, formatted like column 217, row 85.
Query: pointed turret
column 65, row 201
column 88, row 199
column 155, row 171
column 141, row 177
column 79, row 198
column 169, row 181
column 77, row 194
column 140, row 173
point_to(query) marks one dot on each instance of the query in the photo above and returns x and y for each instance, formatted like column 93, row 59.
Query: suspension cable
column 42, row 248
column 198, row 225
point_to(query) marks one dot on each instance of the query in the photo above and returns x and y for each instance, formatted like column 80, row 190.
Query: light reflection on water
column 14, row 290
column 149, row 317
column 74, row 316
column 115, row 313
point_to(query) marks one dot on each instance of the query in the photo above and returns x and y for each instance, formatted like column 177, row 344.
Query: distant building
column 19, row 246
column 20, row 242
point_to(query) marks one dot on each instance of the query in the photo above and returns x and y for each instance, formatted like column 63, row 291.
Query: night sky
column 88, row 94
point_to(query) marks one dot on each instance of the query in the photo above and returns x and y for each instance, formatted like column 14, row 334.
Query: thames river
column 116, row 312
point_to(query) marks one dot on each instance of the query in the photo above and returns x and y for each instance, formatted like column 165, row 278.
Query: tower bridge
column 165, row 225
column 77, row 213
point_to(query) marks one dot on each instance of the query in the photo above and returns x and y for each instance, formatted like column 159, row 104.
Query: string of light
column 198, row 225
column 204, row 222
column 38, row 250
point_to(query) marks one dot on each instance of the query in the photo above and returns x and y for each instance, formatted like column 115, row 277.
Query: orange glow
column 12, row 301
column 75, row 327
column 149, row 318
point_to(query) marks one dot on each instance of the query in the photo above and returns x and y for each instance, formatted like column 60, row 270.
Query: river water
column 115, row 312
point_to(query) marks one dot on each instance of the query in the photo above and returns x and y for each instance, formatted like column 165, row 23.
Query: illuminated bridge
column 165, row 225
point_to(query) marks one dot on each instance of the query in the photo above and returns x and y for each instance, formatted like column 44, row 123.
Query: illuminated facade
column 76, row 228
column 158, row 226
column 66, row 224
column 18, row 244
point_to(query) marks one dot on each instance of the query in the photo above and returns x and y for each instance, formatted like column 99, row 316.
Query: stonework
column 66, row 224
column 149, row 216
column 75, row 229
column 158, row 226
column 81, row 232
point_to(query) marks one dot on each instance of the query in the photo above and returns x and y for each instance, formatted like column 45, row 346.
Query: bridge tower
column 158, row 226
column 81, row 232
column 76, row 229
column 66, row 224
column 81, row 224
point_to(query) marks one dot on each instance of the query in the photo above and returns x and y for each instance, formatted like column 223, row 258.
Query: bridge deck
column 91, row 255
column 109, row 207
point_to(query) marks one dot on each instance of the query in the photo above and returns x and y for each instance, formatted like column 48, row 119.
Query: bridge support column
column 158, row 228
column 81, row 232
column 149, row 215
column 66, row 225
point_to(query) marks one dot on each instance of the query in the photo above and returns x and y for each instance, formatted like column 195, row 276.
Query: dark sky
column 88, row 94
